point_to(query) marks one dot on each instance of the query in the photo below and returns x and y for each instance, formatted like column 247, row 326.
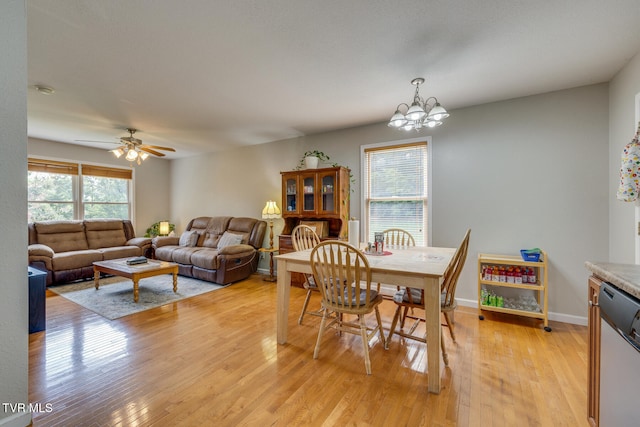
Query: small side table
column 271, row 277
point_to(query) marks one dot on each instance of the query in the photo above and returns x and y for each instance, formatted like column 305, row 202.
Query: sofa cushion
column 205, row 258
column 189, row 238
column 229, row 239
column 211, row 240
column 75, row 259
column 62, row 236
column 243, row 227
column 120, row 252
column 165, row 253
column 105, row 233
column 182, row 254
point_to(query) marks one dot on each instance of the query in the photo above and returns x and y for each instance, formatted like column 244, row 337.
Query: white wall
column 529, row 172
column 152, row 179
column 14, row 323
column 622, row 127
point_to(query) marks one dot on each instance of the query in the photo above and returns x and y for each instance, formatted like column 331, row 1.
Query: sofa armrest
column 40, row 250
column 160, row 241
column 236, row 249
column 141, row 242
column 42, row 253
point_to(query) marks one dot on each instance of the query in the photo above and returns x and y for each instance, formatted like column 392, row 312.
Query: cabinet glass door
column 309, row 193
column 327, row 193
column 291, row 195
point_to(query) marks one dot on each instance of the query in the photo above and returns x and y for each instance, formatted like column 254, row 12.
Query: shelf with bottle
column 509, row 284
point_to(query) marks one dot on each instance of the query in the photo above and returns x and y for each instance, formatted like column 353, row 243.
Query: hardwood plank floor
column 213, row 360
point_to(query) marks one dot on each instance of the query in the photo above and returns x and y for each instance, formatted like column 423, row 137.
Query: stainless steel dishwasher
column 619, row 357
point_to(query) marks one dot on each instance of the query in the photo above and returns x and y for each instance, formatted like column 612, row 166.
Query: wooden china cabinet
column 314, row 195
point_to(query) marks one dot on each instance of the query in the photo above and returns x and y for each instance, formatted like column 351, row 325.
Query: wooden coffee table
column 119, row 267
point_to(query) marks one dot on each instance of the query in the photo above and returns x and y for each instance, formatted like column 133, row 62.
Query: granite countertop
column 623, row 276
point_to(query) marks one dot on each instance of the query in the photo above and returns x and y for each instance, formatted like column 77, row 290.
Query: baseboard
column 556, row 317
column 18, row 419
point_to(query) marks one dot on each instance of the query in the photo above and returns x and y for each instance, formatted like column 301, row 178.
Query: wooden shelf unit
column 540, row 287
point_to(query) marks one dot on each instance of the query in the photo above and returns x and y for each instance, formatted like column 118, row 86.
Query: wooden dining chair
column 304, row 237
column 414, row 298
column 343, row 277
column 397, row 237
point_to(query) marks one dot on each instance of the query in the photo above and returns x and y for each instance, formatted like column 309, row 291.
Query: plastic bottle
column 510, row 275
column 503, row 274
column 532, row 276
column 517, row 277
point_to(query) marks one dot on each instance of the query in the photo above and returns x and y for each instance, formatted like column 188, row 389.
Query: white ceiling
column 208, row 75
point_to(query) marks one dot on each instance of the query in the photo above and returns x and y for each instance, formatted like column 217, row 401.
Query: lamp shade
column 438, row 113
column 271, row 210
column 131, row 155
column 415, row 112
column 163, row 228
column 118, row 152
column 397, row 120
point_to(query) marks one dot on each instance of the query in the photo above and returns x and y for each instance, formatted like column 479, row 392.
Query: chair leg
column 450, row 324
column 304, row 306
column 365, row 342
column 394, row 322
column 445, row 356
column 404, row 317
column 384, row 343
column 320, row 333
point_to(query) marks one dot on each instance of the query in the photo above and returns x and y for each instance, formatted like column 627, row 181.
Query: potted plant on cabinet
column 310, row 159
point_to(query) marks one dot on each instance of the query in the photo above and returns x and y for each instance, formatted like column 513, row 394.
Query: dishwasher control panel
column 621, row 311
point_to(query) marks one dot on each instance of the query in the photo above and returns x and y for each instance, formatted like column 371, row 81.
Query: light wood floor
column 213, row 360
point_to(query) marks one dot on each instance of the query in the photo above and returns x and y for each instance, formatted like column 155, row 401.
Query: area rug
column 114, row 298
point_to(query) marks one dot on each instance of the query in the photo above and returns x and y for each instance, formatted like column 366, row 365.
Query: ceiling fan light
column 118, row 152
column 144, row 155
column 433, row 123
column 131, row 155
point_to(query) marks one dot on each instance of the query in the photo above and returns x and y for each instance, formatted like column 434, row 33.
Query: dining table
column 416, row 267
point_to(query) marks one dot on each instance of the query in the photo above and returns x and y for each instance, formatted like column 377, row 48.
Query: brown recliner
column 218, row 249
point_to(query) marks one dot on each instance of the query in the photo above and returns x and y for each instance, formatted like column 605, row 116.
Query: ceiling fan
column 133, row 148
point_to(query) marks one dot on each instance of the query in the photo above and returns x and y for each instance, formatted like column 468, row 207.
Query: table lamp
column 163, row 228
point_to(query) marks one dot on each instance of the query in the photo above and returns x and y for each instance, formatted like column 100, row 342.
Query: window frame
column 364, row 179
column 76, row 169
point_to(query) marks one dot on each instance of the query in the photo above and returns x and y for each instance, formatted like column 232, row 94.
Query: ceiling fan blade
column 99, row 142
column 157, row 147
column 150, row 151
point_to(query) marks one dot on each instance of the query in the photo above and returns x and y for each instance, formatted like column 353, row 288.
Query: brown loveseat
column 66, row 250
column 217, row 249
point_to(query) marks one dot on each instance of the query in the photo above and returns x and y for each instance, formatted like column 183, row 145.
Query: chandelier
column 421, row 113
column 131, row 152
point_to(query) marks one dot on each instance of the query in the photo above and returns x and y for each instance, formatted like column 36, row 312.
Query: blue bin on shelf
column 530, row 255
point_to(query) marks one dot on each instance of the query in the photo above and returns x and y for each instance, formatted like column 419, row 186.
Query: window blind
column 106, row 172
column 52, row 166
column 396, row 189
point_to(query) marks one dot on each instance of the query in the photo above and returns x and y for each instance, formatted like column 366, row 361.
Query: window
column 395, row 189
column 65, row 191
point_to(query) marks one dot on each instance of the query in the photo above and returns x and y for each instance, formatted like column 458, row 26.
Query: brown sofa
column 66, row 250
column 217, row 249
